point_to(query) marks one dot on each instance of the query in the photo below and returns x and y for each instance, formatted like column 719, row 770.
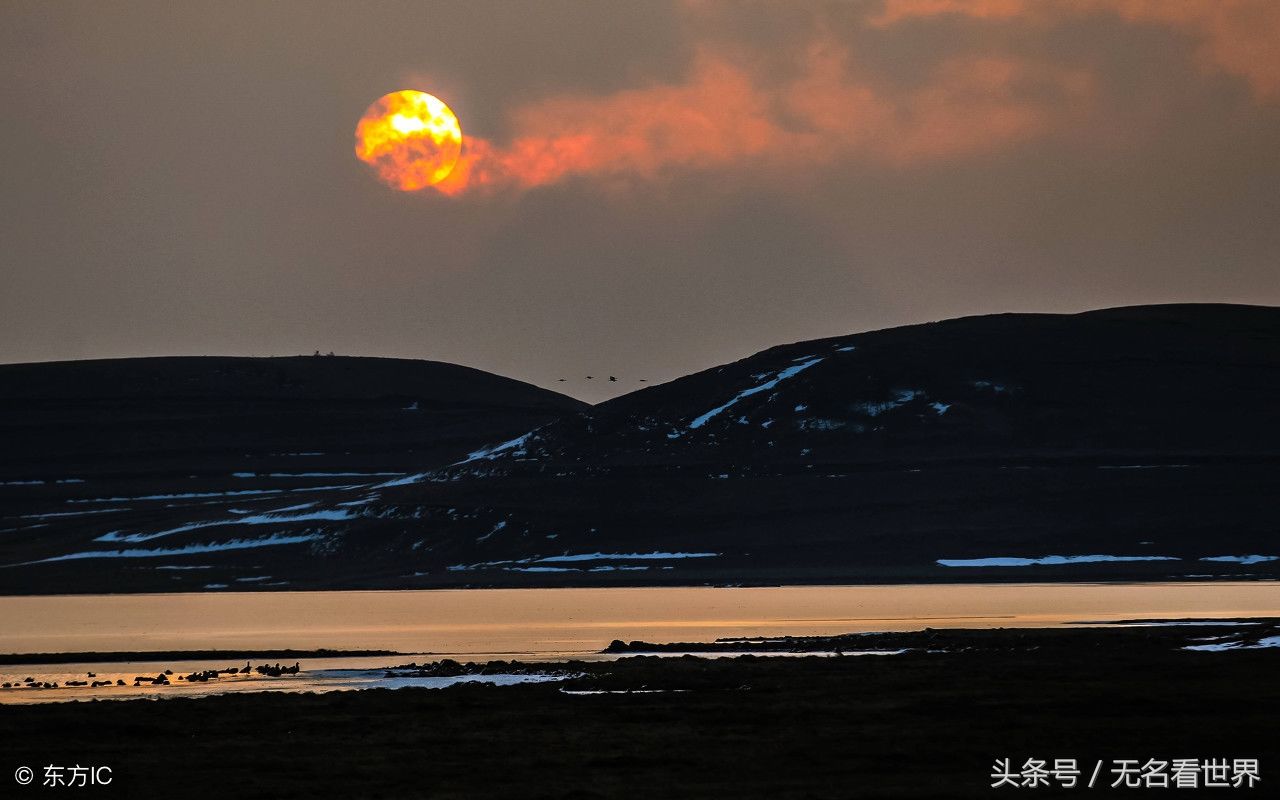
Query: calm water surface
column 547, row 624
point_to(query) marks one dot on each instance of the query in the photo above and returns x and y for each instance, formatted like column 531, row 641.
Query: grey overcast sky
column 685, row 183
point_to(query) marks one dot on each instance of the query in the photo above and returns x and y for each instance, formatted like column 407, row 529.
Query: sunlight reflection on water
column 550, row 624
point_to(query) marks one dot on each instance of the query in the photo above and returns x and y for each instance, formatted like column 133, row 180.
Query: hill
column 147, row 414
column 144, row 444
column 1133, row 443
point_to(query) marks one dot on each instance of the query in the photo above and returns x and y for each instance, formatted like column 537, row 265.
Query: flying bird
column 615, row 380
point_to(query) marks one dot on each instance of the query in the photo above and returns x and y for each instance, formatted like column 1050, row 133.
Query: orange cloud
column 723, row 115
column 715, row 117
column 969, row 106
column 896, row 11
column 1238, row 37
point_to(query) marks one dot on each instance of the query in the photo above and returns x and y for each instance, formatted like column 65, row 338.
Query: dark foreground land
column 929, row 722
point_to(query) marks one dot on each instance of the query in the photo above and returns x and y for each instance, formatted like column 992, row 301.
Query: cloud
column 716, row 116
column 968, row 106
column 725, row 114
column 1237, row 37
column 800, row 99
column 895, row 11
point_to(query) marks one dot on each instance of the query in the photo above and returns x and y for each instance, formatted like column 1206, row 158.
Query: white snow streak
column 515, row 445
column 269, row 518
column 234, row 544
column 1045, row 561
column 782, row 375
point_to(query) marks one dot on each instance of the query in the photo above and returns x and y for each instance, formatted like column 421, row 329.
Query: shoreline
column 782, row 643
column 1163, row 640
column 650, row 726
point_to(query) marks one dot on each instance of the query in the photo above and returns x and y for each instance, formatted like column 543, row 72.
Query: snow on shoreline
column 1265, row 642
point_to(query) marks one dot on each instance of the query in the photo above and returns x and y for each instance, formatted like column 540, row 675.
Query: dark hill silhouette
column 1145, row 379
column 1133, row 443
column 217, row 413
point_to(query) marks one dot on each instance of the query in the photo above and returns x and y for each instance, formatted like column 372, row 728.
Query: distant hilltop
column 194, row 413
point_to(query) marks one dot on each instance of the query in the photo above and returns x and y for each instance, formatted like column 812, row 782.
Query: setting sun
column 410, row 138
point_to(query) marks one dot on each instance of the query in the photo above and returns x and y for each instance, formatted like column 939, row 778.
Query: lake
column 550, row 624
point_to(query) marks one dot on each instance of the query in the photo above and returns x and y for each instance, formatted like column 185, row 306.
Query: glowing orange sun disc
column 411, row 139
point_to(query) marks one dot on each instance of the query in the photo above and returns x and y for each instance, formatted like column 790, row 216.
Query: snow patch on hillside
column 515, row 447
column 234, row 544
column 900, row 398
column 58, row 514
column 405, row 481
column 778, row 377
column 533, row 563
column 496, row 528
column 1005, row 561
column 1242, row 559
column 624, row 556
column 269, row 518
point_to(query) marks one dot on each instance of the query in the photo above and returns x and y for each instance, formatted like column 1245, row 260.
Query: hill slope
column 100, row 447
column 141, row 414
column 1146, row 380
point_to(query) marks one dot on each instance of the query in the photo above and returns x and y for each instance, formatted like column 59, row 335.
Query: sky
column 655, row 187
